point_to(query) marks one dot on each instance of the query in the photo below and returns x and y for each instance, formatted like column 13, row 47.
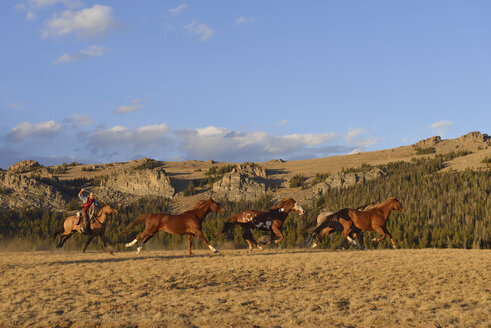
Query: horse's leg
column 140, row 236
column 104, row 245
column 87, row 243
column 324, row 233
column 190, row 242
column 200, row 235
column 250, row 239
column 359, row 236
column 63, row 239
column 277, row 232
column 381, row 231
column 390, row 236
column 145, row 239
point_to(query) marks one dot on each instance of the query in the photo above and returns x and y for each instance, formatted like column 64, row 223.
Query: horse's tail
column 309, row 224
column 139, row 219
column 328, row 222
column 57, row 232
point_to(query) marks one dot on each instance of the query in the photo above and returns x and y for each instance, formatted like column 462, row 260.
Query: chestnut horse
column 270, row 220
column 187, row 223
column 97, row 227
column 372, row 219
column 336, row 226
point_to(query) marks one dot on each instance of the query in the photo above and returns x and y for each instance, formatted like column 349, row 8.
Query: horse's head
column 289, row 204
column 396, row 205
column 215, row 207
column 108, row 209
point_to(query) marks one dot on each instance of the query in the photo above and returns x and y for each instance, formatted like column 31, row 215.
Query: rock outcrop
column 475, row 136
column 429, row 142
column 23, row 190
column 344, row 180
column 154, row 182
column 246, row 181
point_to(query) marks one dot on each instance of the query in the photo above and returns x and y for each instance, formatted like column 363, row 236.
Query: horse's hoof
column 260, row 248
column 215, row 251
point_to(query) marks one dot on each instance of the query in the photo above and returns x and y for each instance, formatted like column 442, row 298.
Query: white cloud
column 202, row 30
column 136, row 105
column 355, row 137
column 244, row 20
column 84, row 23
column 226, row 145
column 178, row 10
column 441, row 127
column 120, row 136
column 25, row 130
column 79, row 120
column 92, row 51
column 283, row 122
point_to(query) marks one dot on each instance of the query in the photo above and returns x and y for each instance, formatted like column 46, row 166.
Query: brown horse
column 336, row 226
column 372, row 219
column 97, row 227
column 270, row 220
column 187, row 223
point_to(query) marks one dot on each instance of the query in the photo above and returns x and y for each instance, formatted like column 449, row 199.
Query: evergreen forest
column 442, row 210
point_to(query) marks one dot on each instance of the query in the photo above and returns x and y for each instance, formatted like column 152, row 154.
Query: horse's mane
column 99, row 212
column 384, row 203
column 280, row 204
column 200, row 204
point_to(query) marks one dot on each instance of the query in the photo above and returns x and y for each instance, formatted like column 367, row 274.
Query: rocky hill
column 29, row 184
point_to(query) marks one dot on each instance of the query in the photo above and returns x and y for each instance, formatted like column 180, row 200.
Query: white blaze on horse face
column 298, row 208
column 131, row 244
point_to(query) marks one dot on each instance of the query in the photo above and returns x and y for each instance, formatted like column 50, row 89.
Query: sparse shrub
column 320, row 177
column 99, row 180
column 216, row 173
column 5, row 190
column 148, row 165
column 362, row 168
column 455, row 154
column 190, row 189
column 60, row 169
column 425, row 151
column 298, row 180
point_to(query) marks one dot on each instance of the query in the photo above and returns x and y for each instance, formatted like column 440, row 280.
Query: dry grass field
column 239, row 288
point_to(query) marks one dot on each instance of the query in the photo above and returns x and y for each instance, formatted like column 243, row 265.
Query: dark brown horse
column 187, row 223
column 270, row 220
column 372, row 219
column 334, row 225
column 97, row 227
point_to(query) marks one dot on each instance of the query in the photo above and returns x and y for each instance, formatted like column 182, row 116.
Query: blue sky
column 106, row 81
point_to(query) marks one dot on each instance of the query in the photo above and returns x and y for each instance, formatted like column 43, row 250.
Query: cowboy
column 88, row 199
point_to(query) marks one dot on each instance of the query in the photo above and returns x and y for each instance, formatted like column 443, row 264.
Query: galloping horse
column 372, row 219
column 335, row 225
column 97, row 227
column 187, row 223
column 270, row 220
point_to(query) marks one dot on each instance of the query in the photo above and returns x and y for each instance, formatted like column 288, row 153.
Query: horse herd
column 350, row 222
